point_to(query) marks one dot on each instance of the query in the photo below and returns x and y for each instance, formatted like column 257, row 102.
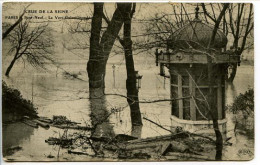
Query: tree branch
column 206, row 12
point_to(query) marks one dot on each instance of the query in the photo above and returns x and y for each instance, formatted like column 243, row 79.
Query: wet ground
column 54, row 94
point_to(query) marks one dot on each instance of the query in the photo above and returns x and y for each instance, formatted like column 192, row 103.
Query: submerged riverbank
column 14, row 106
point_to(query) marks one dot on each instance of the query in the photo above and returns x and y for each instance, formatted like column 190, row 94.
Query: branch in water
column 148, row 101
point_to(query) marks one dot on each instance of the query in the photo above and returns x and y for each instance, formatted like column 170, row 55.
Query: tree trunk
column 213, row 112
column 100, row 49
column 236, row 40
column 5, row 34
column 10, row 67
column 212, row 104
column 94, row 66
column 132, row 91
column 110, row 35
column 100, row 118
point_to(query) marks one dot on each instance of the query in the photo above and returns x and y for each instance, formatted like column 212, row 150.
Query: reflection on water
column 136, row 131
column 100, row 118
column 231, row 93
column 30, row 139
column 242, row 148
column 59, row 96
column 243, row 81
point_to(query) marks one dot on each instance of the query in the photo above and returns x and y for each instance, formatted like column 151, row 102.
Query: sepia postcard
column 94, row 81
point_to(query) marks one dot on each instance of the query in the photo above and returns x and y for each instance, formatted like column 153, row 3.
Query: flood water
column 54, row 94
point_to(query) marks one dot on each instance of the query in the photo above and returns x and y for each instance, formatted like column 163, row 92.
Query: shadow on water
column 13, row 135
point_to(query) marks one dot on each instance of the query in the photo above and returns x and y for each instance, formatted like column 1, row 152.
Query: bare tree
column 239, row 23
column 33, row 44
column 240, row 27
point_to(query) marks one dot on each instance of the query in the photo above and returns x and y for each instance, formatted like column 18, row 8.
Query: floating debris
column 50, row 156
column 63, row 142
column 78, row 152
column 60, row 120
column 42, row 124
column 45, row 120
column 30, row 123
column 123, row 137
column 185, row 156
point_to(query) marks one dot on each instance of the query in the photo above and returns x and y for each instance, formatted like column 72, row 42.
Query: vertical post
column 219, row 97
column 162, row 71
column 32, row 87
column 156, row 57
column 180, row 96
column 164, row 82
column 192, row 99
column 171, row 76
column 114, row 78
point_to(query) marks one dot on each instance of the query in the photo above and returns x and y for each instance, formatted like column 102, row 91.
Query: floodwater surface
column 55, row 94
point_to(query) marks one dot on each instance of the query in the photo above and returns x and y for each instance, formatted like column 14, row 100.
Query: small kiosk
column 186, row 57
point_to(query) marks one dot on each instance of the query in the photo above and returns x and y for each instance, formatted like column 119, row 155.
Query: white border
column 255, row 161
